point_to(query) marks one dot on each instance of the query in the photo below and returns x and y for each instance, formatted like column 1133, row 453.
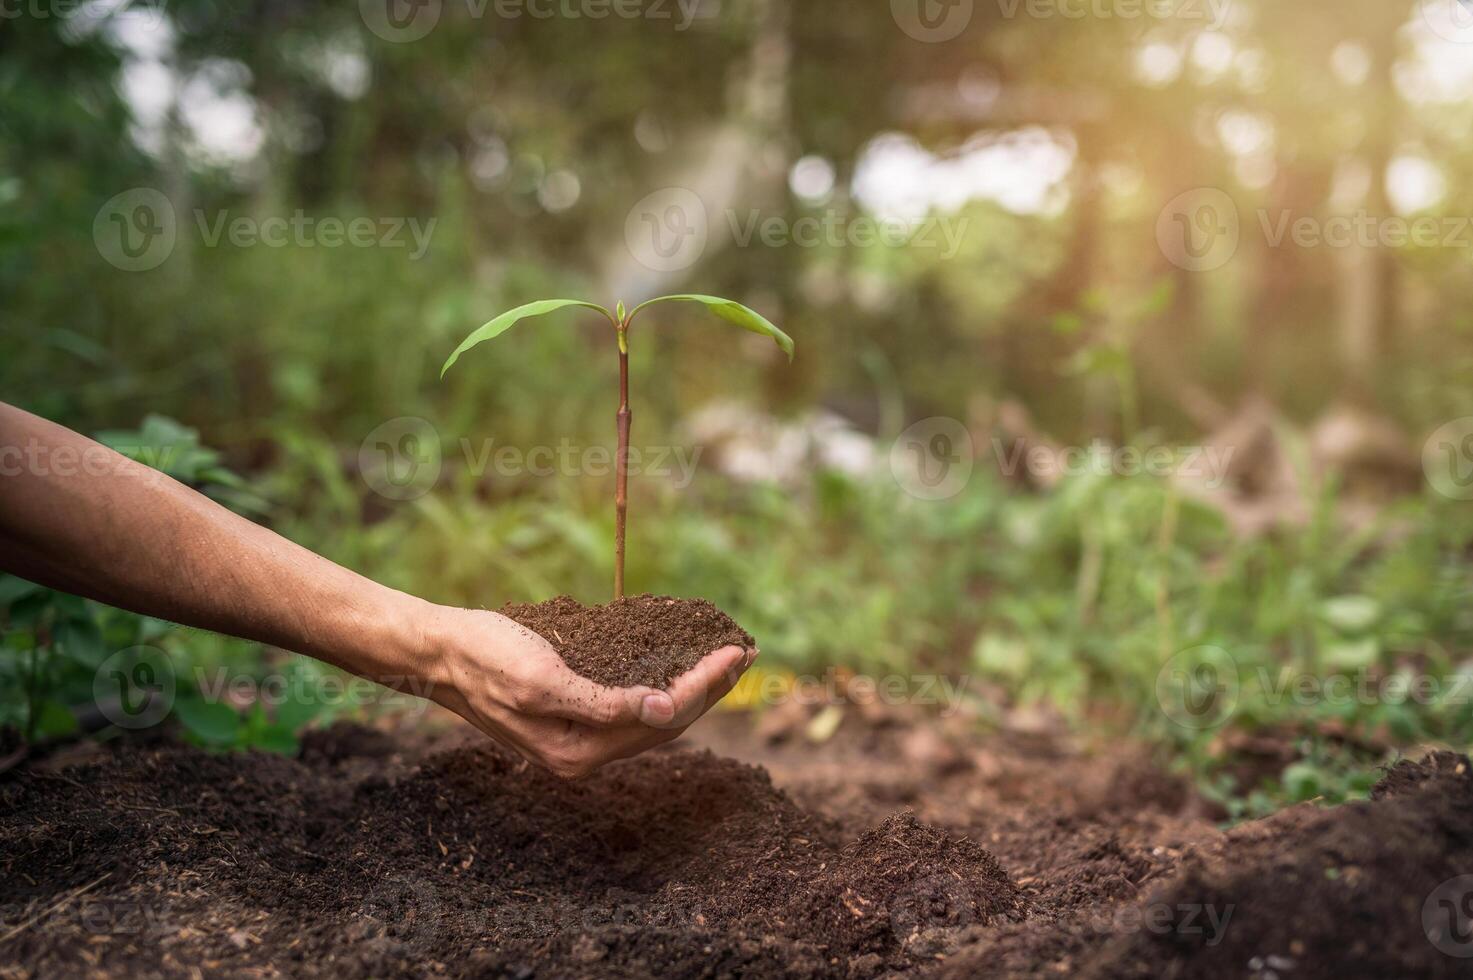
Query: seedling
column 724, row 308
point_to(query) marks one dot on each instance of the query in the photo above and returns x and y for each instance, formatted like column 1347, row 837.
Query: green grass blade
column 507, row 320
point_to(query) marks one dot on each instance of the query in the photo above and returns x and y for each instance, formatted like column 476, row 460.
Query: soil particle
column 643, row 640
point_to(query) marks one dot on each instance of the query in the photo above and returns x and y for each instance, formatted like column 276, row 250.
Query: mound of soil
column 1367, row 889
column 901, row 885
column 1378, row 889
column 365, row 858
column 638, row 640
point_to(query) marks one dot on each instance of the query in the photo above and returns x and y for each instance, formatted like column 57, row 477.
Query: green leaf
column 1350, row 613
column 71, row 605
column 1098, row 360
column 1001, row 656
column 275, row 738
column 731, row 312
column 1355, row 654
column 81, row 640
column 150, row 629
column 28, row 611
column 260, row 732
column 507, row 320
column 1303, row 781
column 54, row 720
column 303, row 703
column 209, row 721
column 296, row 713
column 13, row 587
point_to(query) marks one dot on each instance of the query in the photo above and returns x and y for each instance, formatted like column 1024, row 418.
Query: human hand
column 511, row 684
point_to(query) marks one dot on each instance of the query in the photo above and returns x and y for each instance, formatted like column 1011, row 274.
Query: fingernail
column 735, row 665
column 656, row 709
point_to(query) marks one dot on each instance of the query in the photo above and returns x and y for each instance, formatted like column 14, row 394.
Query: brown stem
column 621, row 462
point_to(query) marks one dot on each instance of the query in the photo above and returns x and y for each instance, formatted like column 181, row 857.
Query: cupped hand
column 511, row 684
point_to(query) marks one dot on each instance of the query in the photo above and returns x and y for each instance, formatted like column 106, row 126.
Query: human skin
column 79, row 517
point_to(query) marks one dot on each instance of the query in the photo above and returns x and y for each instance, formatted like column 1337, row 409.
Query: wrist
column 462, row 653
column 394, row 642
column 419, row 636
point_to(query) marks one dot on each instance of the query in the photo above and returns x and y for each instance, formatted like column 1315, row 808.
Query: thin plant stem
column 621, row 461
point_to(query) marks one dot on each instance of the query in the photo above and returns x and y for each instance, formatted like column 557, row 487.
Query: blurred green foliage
column 1072, row 601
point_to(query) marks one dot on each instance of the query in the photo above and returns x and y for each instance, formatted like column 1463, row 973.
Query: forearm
column 79, row 517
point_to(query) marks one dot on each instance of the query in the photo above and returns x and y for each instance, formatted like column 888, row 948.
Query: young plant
column 727, row 310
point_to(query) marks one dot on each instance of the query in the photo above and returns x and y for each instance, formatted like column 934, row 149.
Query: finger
column 697, row 691
column 602, row 746
column 640, row 742
column 565, row 748
column 622, row 743
column 524, row 735
column 716, row 692
column 689, row 692
column 576, row 698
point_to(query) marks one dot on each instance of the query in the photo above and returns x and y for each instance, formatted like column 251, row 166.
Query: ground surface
column 890, row 847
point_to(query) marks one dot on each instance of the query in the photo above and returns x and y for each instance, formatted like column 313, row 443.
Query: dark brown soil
column 378, row 856
column 638, row 640
column 1355, row 887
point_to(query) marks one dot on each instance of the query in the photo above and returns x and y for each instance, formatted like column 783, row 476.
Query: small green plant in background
column 175, row 450
column 726, row 309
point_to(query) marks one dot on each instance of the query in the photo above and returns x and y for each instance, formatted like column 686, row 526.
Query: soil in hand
column 638, row 640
